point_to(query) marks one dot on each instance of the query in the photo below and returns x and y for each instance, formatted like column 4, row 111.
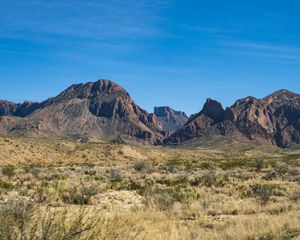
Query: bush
column 259, row 164
column 139, row 166
column 115, row 175
column 80, row 195
column 262, row 193
column 8, row 170
column 6, row 185
column 296, row 197
column 270, row 175
column 282, row 169
column 23, row 220
column 164, row 198
column 209, row 179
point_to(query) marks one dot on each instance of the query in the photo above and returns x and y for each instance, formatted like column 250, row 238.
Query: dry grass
column 72, row 190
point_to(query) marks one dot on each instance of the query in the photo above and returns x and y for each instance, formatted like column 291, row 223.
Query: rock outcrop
column 170, row 119
column 102, row 110
column 20, row 110
column 274, row 119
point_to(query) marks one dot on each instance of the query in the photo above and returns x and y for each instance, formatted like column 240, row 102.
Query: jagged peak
column 247, row 100
column 213, row 109
column 282, row 93
column 163, row 111
column 107, row 86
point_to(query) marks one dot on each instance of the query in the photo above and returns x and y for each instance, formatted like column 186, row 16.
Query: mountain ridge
column 105, row 110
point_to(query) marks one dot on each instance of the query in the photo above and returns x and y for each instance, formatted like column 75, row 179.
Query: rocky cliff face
column 170, row 119
column 20, row 110
column 101, row 109
column 104, row 110
column 274, row 119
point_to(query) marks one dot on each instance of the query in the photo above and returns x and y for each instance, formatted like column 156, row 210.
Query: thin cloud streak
column 278, row 53
column 104, row 19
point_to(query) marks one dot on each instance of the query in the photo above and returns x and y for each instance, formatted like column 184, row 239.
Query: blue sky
column 164, row 52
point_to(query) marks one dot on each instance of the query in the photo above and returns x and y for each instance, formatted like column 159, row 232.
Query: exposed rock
column 274, row 119
column 20, row 110
column 170, row 119
column 101, row 109
column 210, row 121
column 104, row 110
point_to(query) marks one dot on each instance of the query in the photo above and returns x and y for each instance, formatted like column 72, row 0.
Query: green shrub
column 263, row 192
column 164, row 198
column 259, row 164
column 9, row 170
column 6, row 185
column 115, row 175
column 140, row 166
column 79, row 195
column 282, row 169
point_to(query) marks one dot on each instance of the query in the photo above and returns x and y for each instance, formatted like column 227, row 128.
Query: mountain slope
column 101, row 110
column 170, row 119
column 274, row 119
column 104, row 110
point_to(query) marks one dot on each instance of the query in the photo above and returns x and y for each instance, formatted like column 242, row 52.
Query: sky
column 165, row 52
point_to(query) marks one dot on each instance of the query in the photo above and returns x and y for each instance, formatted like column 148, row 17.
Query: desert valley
column 91, row 164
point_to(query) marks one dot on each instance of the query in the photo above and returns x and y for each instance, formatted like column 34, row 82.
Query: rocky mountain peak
column 213, row 109
column 282, row 97
column 169, row 118
column 108, row 87
column 167, row 112
column 8, row 108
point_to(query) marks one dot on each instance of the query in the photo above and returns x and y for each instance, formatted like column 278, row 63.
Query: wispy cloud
column 79, row 29
column 92, row 19
column 211, row 30
column 280, row 53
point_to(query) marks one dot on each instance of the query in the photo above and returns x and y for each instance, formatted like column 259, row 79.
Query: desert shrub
column 41, row 194
column 282, row 169
column 165, row 198
column 13, row 218
column 115, row 175
column 79, row 195
column 262, row 192
column 270, row 175
column 209, row 179
column 140, row 166
column 6, row 185
column 205, row 165
column 22, row 220
column 8, row 170
column 296, row 196
column 235, row 163
column 35, row 171
column 293, row 172
column 259, row 164
column 181, row 180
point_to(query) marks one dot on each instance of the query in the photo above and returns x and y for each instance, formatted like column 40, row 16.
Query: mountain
column 102, row 110
column 20, row 110
column 274, row 119
column 170, row 119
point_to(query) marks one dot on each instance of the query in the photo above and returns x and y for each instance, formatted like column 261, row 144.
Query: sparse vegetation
column 170, row 194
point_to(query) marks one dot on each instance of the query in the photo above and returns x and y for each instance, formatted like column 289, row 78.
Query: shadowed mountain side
column 104, row 110
column 170, row 119
column 274, row 119
column 101, row 110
